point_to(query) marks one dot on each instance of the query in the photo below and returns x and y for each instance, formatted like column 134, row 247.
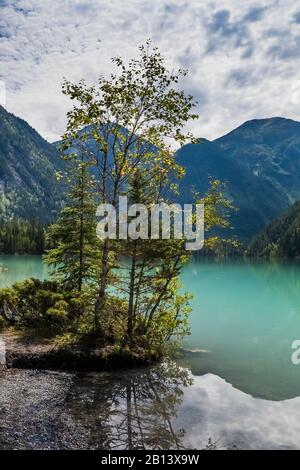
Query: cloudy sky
column 243, row 56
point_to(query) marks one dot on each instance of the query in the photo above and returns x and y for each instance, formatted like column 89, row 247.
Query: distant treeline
column 281, row 238
column 22, row 237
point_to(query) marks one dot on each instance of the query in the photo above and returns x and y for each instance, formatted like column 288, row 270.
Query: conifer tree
column 131, row 118
column 74, row 252
column 126, row 129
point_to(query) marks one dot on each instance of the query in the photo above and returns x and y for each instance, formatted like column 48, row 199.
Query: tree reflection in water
column 130, row 409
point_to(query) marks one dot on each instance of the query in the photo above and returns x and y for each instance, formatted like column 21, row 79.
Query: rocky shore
column 33, row 415
column 46, row 392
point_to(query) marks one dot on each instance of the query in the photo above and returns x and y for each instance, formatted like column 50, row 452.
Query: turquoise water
column 242, row 390
column 18, row 268
column 245, row 318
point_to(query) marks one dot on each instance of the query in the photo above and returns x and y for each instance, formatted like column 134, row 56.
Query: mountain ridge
column 259, row 160
column 28, row 163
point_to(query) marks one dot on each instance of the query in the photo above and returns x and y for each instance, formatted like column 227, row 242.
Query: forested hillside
column 28, row 187
column 260, row 161
column 281, row 238
column 22, row 237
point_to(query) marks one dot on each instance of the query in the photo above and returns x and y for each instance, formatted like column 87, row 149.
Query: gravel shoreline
column 54, row 405
column 33, row 414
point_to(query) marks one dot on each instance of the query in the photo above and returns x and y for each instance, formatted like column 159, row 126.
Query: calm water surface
column 246, row 315
column 18, row 268
column 237, row 386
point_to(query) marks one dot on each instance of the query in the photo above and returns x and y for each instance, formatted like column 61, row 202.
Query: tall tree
column 132, row 119
column 126, row 130
column 151, row 272
column 74, row 255
column 156, row 308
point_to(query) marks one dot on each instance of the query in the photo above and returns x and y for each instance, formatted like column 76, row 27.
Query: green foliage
column 39, row 304
column 27, row 167
column 218, row 209
column 58, row 314
column 74, row 255
column 281, row 238
column 22, row 237
column 124, row 128
column 119, row 141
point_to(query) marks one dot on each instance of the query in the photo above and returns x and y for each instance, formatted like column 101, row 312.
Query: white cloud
column 212, row 408
column 243, row 57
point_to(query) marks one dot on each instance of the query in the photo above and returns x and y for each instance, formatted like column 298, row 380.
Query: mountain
column 260, row 161
column 280, row 238
column 28, row 188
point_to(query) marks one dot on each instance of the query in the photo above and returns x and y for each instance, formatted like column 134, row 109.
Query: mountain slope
column 260, row 160
column 281, row 237
column 28, row 188
column 270, row 149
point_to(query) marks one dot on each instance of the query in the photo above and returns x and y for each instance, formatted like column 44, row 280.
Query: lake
column 236, row 384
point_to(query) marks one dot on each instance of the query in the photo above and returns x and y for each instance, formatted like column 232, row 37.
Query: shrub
column 38, row 304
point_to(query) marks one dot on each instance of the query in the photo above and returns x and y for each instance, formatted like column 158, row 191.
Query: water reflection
column 214, row 408
column 247, row 331
column 164, row 408
column 153, row 408
column 130, row 410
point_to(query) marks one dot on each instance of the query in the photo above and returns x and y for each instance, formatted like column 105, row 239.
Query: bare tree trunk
column 81, row 243
column 102, row 288
column 162, row 293
column 129, row 416
column 130, row 311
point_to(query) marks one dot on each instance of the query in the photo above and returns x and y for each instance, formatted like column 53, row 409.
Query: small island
column 113, row 295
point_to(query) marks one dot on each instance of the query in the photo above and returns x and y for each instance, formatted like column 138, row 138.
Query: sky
column 243, row 56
